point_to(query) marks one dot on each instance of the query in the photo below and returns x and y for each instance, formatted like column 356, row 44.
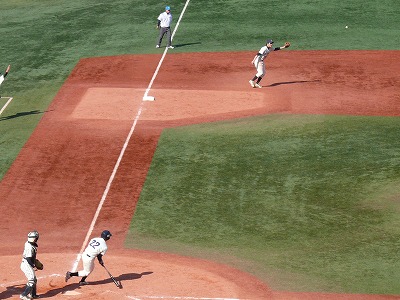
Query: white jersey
column 165, row 19
column 262, row 54
column 1, row 78
column 95, row 247
column 30, row 250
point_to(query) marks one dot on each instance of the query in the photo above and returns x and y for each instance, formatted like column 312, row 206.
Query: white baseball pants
column 88, row 265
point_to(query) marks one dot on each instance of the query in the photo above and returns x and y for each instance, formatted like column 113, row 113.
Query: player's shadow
column 74, row 286
column 291, row 82
column 12, row 291
column 61, row 290
column 122, row 278
column 21, row 114
column 186, row 44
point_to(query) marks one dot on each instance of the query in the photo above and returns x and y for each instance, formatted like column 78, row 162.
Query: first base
column 148, row 98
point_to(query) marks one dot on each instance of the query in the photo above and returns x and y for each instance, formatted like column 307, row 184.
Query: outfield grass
column 290, row 193
column 44, row 40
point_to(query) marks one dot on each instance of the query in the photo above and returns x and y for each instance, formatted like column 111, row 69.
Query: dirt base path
column 64, row 168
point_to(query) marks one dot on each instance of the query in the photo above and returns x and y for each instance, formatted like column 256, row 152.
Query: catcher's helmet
column 33, row 236
column 106, row 235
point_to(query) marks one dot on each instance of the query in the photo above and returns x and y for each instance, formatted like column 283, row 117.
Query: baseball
column 347, row 27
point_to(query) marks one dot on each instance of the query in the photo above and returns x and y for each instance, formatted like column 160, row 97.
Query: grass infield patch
column 281, row 197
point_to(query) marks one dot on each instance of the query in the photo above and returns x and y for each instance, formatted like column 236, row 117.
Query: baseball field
column 215, row 190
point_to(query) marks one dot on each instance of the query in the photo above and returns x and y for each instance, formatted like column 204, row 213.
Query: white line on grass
column 165, row 51
column 5, row 105
column 111, row 179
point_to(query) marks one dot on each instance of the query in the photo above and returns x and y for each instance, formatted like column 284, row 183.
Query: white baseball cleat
column 170, row 47
column 157, row 46
column 251, row 83
column 257, row 85
column 24, row 297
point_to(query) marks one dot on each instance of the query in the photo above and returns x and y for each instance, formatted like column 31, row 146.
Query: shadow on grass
column 21, row 114
column 186, row 44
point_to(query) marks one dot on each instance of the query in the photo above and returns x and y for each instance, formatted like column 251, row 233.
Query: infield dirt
column 64, row 167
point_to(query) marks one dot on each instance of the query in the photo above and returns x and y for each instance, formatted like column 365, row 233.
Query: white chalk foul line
column 165, row 51
column 171, row 297
column 111, row 179
column 178, row 298
column 5, row 105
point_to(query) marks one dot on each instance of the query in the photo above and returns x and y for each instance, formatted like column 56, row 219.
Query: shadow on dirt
column 292, row 82
column 12, row 290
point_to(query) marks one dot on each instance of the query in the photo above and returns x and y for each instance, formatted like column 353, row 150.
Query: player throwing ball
column 97, row 247
column 258, row 62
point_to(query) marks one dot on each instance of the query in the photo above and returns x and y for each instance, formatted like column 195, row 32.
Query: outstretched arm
column 286, row 45
column 7, row 70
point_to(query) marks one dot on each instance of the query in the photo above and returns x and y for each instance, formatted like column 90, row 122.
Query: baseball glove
column 287, row 44
column 38, row 264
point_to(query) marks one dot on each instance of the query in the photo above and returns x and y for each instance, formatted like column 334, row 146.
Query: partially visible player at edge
column 28, row 266
column 258, row 62
column 3, row 76
column 97, row 247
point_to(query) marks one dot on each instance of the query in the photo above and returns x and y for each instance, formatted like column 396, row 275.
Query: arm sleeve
column 277, row 48
column 30, row 261
column 158, row 22
column 100, row 258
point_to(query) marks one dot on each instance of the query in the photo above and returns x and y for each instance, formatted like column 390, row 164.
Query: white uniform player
column 164, row 21
column 258, row 62
column 97, row 247
column 3, row 76
column 28, row 266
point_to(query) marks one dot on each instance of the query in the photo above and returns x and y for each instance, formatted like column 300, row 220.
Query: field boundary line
column 165, row 51
column 112, row 176
column 5, row 105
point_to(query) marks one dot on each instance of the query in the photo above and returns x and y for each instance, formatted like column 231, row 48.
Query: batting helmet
column 106, row 235
column 167, row 8
column 33, row 236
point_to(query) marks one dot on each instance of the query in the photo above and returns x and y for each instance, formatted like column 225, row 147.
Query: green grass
column 44, row 40
column 287, row 193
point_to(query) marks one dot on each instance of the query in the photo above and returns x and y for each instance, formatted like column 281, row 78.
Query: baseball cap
column 270, row 41
column 167, row 8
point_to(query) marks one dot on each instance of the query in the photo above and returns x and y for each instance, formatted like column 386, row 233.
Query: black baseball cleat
column 81, row 283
